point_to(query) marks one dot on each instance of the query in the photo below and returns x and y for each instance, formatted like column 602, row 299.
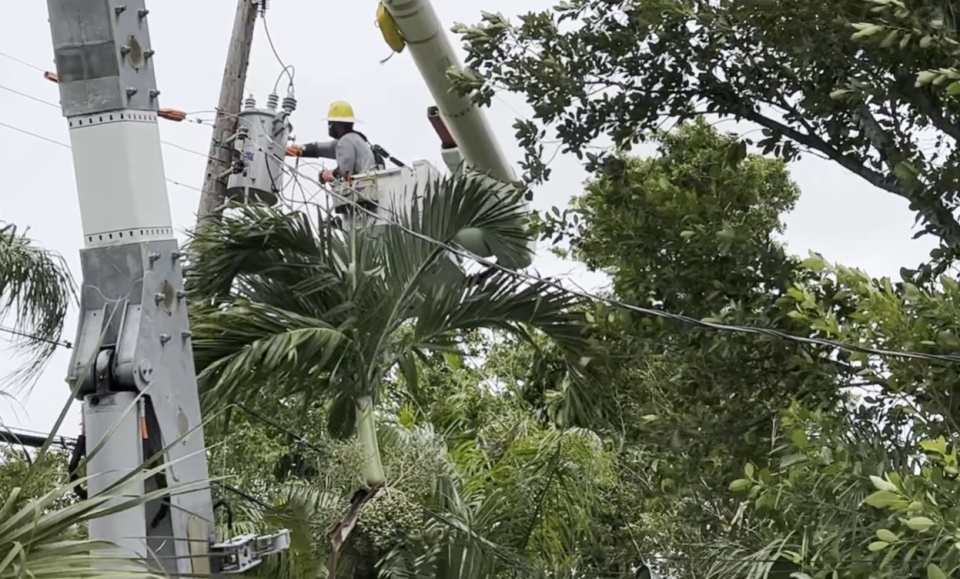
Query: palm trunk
column 367, row 434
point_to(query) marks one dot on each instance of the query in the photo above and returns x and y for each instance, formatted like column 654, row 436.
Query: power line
column 286, row 69
column 29, row 96
column 910, row 355
column 523, row 275
column 26, row 132
column 903, row 354
column 30, row 439
column 35, row 67
column 15, row 332
column 23, row 62
column 56, row 106
column 55, row 142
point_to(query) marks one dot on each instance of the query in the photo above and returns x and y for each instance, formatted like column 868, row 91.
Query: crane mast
column 132, row 365
column 467, row 140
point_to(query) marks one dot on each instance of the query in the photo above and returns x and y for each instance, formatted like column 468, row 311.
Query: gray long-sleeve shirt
column 351, row 151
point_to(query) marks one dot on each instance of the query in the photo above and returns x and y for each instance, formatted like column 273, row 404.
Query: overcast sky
column 336, row 50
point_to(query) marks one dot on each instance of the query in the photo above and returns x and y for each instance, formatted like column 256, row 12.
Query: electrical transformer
column 261, row 142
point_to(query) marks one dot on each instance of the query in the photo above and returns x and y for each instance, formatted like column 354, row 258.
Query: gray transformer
column 261, row 143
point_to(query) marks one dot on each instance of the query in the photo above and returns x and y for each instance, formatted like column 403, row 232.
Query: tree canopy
column 846, row 80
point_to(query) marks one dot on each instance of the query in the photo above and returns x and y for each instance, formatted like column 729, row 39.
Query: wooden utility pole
column 231, row 96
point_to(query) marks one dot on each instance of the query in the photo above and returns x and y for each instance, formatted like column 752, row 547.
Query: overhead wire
column 23, row 62
column 285, row 69
column 290, row 202
column 15, row 332
column 57, row 106
column 29, row 96
column 65, row 145
column 754, row 330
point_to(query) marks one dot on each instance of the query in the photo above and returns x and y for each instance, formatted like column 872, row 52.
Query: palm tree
column 42, row 523
column 525, row 498
column 36, row 290
column 286, row 309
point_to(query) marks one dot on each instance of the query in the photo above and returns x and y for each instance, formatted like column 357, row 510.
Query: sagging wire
column 906, row 354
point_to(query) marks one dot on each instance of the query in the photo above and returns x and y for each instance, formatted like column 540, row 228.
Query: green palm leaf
column 274, row 289
column 256, row 343
column 35, row 535
column 36, row 290
column 285, row 308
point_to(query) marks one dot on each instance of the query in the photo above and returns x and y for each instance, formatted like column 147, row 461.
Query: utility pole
column 231, row 94
column 132, row 364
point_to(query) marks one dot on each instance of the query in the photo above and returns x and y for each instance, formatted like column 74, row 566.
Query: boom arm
column 458, row 121
column 433, row 53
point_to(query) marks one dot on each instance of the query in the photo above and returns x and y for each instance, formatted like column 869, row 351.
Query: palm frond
column 248, row 343
column 35, row 536
column 509, row 303
column 36, row 290
column 261, row 256
column 501, row 301
column 446, row 210
column 412, row 254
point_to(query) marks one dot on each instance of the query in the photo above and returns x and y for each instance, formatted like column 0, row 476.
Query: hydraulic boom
column 466, row 136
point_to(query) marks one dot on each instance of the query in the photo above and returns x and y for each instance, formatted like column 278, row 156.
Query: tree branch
column 814, row 142
column 935, row 214
column 926, row 106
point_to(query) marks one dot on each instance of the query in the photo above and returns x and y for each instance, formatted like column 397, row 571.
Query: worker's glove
column 326, row 176
column 294, row 151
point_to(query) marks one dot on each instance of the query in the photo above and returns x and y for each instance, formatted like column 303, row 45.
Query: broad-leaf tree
column 593, row 68
column 689, row 231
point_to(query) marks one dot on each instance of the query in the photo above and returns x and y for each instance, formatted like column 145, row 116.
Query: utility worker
column 349, row 148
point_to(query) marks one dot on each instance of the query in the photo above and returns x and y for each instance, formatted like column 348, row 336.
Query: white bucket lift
column 386, row 192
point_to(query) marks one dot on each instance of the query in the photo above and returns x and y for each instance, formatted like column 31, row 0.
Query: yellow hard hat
column 341, row 112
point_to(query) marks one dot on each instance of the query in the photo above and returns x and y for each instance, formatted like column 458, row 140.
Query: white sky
column 337, row 50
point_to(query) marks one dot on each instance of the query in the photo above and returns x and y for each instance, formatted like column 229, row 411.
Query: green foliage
column 36, row 289
column 34, row 476
column 532, row 488
column 721, row 455
column 711, row 219
column 798, row 70
column 690, row 231
column 327, row 314
column 307, row 324
column 42, row 525
column 927, row 27
column 845, row 503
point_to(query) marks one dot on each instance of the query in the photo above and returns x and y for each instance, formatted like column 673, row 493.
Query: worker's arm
column 325, row 150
